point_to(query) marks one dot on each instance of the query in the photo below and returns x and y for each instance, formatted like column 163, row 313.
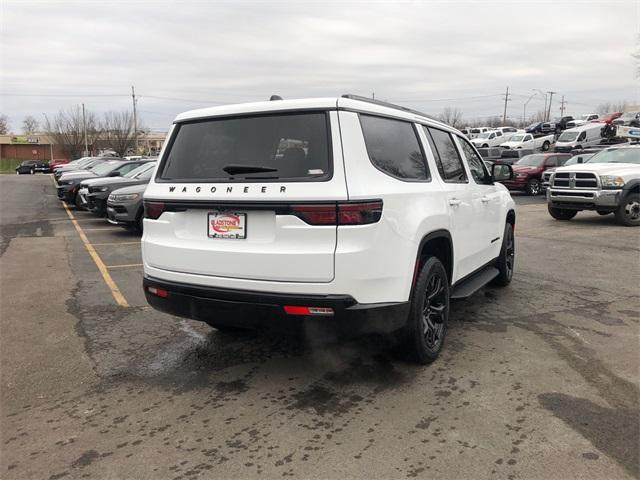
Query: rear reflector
column 160, row 292
column 153, row 210
column 344, row 213
column 297, row 310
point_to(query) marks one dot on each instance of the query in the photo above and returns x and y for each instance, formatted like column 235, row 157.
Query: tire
column 423, row 336
column 533, row 187
column 603, row 212
column 140, row 223
column 562, row 213
column 485, row 146
column 546, row 146
column 628, row 212
column 506, row 261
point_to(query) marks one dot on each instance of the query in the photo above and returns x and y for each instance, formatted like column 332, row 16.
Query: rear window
column 292, row 147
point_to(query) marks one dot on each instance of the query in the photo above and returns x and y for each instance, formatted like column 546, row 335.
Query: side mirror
column 580, row 160
column 114, row 174
column 501, row 172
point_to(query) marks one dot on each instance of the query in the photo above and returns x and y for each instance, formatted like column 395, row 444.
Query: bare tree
column 609, row 107
column 636, row 56
column 117, row 131
column 67, row 130
column 451, row 116
column 4, row 124
column 29, row 124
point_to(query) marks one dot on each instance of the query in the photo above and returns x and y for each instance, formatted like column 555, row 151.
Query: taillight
column 153, row 210
column 315, row 214
column 361, row 213
column 347, row 213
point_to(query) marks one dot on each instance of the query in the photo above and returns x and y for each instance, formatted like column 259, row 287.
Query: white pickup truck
column 492, row 138
column 529, row 141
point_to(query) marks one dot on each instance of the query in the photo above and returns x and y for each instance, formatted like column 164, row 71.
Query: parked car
column 579, row 137
column 509, row 157
column 83, row 163
column 474, row 132
column 580, row 158
column 561, row 123
column 93, row 193
column 349, row 229
column 584, row 119
column 609, row 117
column 629, row 119
column 32, row 167
column 529, row 141
column 57, row 162
column 492, row 138
column 69, row 183
column 527, row 172
column 125, row 207
column 609, row 182
column 534, row 128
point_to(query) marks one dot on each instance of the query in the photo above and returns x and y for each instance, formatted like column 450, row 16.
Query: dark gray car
column 93, row 193
column 125, row 208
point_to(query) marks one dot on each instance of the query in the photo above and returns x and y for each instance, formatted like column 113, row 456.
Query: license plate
column 227, row 225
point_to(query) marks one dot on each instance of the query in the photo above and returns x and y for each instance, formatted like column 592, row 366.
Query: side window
column 498, row 133
column 447, row 156
column 551, row 162
column 582, row 136
column 476, row 165
column 394, row 148
column 127, row 168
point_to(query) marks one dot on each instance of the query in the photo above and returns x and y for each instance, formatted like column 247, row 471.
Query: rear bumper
column 252, row 309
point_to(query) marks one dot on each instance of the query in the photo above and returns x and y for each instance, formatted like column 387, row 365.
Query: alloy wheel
column 632, row 210
column 434, row 311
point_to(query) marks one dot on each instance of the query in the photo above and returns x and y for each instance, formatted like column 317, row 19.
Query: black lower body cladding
column 250, row 309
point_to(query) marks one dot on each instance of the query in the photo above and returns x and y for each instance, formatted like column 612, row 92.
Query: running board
column 474, row 283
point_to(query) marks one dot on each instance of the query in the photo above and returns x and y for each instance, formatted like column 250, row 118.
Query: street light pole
column 524, row 109
column 46, row 120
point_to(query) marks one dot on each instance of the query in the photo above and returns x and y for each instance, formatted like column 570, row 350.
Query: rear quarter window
column 394, row 148
column 291, row 147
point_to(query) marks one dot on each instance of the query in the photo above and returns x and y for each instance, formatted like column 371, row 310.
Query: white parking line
column 129, row 265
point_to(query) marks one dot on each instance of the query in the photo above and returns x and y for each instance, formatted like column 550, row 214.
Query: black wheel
column 545, row 146
column 140, row 223
column 485, row 146
column 427, row 323
column 603, row 212
column 507, row 258
column 628, row 212
column 562, row 213
column 533, row 187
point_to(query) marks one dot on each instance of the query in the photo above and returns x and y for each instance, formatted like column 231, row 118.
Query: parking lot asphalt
column 538, row 380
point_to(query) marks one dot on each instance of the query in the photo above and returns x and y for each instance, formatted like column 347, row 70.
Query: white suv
column 346, row 209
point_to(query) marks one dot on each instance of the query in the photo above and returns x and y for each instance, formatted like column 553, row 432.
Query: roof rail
column 385, row 104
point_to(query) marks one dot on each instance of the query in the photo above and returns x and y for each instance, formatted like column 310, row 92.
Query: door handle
column 485, row 199
column 454, row 202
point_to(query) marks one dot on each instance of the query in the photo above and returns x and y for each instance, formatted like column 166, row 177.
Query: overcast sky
column 427, row 55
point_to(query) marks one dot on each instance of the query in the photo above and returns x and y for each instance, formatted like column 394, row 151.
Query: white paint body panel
column 373, row 263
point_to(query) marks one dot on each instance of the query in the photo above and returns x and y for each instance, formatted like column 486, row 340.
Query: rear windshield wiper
column 234, row 169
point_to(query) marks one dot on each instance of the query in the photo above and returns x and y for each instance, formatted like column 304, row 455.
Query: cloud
column 229, row 52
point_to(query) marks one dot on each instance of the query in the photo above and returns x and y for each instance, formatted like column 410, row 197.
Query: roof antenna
column 275, row 97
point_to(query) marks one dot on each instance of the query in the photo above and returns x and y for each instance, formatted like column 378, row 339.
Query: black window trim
column 437, row 159
column 484, row 166
column 279, row 113
column 420, row 146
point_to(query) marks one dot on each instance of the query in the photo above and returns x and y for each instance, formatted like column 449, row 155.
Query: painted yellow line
column 104, row 229
column 115, row 291
column 115, row 243
column 130, row 265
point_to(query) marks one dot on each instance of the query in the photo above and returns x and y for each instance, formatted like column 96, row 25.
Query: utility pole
column 135, row 121
column 550, row 100
column 562, row 104
column 84, row 127
column 504, row 115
